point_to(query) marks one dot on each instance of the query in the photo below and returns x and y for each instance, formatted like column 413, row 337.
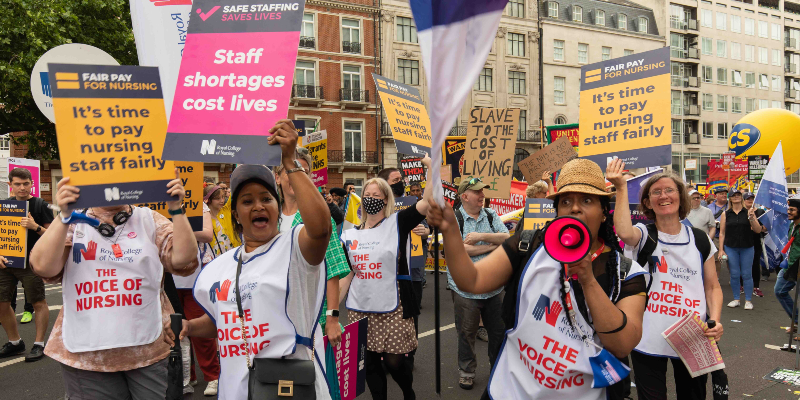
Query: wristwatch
column 298, row 167
column 179, row 211
column 38, row 229
column 332, row 313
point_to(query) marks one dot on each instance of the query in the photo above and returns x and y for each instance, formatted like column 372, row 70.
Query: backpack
column 460, row 219
column 645, row 255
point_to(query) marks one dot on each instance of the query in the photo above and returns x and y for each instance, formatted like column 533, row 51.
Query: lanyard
column 570, row 310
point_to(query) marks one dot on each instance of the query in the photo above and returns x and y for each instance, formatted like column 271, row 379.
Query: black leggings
column 650, row 375
column 400, row 367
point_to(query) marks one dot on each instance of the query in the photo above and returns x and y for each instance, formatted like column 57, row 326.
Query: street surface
column 743, row 347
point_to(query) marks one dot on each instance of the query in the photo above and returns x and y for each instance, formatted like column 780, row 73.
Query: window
column 708, row 130
column 516, row 81
column 516, row 8
column 352, row 141
column 749, row 53
column 643, row 25
column 736, row 78
column 776, row 83
column 763, row 104
column 722, row 76
column 736, row 51
column 558, row 50
column 677, row 45
column 583, row 53
column 559, row 86
column 5, row 143
column 600, row 19
column 623, row 22
column 708, row 46
column 708, row 74
column 749, row 105
column 763, row 55
column 560, row 120
column 722, row 103
column 406, row 30
column 310, row 124
column 722, row 20
column 750, row 80
column 708, row 102
column 351, row 81
column 523, row 125
column 304, row 72
column 736, row 23
column 776, row 57
column 351, row 36
column 763, row 82
column 776, row 32
column 516, row 44
column 776, row 104
column 706, row 18
column 736, row 104
column 763, row 29
column 577, row 14
column 676, row 131
column 408, row 71
column 552, row 9
column 676, row 73
column 722, row 48
column 628, row 52
column 749, row 26
column 677, row 103
column 307, row 29
column 722, row 130
column 484, row 83
column 606, row 53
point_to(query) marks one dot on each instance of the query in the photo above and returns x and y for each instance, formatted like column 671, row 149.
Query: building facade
column 509, row 78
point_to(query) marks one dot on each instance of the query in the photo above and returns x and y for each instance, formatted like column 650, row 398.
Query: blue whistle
column 81, row 218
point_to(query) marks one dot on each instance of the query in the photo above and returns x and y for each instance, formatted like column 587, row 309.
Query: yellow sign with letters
column 407, row 116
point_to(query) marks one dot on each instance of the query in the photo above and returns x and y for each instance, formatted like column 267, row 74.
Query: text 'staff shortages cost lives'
column 625, row 110
column 407, row 116
column 13, row 235
column 110, row 122
column 235, row 81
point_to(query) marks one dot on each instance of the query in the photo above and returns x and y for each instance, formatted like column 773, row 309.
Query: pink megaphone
column 567, row 240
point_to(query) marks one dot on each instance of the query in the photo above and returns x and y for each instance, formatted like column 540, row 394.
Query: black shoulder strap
column 650, row 243
column 490, row 218
column 720, row 211
column 625, row 264
column 460, row 219
column 702, row 243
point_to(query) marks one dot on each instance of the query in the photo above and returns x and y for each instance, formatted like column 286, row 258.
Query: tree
column 30, row 28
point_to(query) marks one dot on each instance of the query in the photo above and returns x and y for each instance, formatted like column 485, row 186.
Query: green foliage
column 28, row 29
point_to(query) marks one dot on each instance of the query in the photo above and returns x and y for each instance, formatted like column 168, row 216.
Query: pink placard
column 32, row 166
column 349, row 355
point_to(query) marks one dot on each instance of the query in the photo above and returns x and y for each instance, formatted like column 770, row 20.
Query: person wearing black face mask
column 394, row 177
column 381, row 287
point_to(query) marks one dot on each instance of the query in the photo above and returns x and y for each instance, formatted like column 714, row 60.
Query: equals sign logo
column 67, row 80
column 593, row 76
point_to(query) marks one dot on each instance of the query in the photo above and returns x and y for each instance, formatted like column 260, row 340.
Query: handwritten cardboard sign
column 13, row 236
column 489, row 154
column 551, row 158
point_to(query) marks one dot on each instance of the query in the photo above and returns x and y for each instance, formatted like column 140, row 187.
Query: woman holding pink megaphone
column 681, row 262
column 573, row 302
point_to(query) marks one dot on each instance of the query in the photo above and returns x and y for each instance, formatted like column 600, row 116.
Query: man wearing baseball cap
column 482, row 231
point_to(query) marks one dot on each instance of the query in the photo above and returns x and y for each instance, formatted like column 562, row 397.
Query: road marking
column 432, row 331
column 21, row 290
column 772, row 346
column 51, row 309
column 11, row 362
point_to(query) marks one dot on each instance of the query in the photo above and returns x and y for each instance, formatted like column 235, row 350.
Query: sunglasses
column 474, row 181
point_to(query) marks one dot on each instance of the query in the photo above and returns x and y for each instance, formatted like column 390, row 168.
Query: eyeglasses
column 667, row 191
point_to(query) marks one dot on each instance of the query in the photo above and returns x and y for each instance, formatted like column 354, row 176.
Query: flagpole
column 437, row 334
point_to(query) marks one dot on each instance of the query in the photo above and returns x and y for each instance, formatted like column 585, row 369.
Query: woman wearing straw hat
column 551, row 351
column 680, row 270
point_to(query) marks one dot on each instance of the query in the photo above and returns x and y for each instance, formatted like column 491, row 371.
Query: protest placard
column 450, row 192
column 349, row 355
column 406, row 114
column 538, row 212
column 446, row 173
column 690, row 164
column 317, row 145
column 110, row 122
column 625, row 110
column 412, row 169
column 514, row 202
column 489, row 154
column 571, row 131
column 235, row 81
column 191, row 174
column 453, row 155
column 728, row 159
column 551, row 158
column 31, row 165
column 786, row 376
column 756, row 165
column 13, row 236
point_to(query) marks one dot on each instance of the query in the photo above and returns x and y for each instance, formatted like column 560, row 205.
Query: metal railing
column 458, row 131
column 530, row 135
column 357, row 95
column 353, row 157
column 307, row 92
column 308, row 42
column 351, row 47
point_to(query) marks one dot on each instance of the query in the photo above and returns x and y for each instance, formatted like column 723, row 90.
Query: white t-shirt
column 286, row 221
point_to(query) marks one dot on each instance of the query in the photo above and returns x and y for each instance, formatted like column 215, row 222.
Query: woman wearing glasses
column 381, row 287
column 684, row 278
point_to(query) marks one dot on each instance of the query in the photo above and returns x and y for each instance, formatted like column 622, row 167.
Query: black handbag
column 274, row 379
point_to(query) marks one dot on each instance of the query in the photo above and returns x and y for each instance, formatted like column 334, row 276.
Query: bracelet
column 179, row 211
column 624, row 323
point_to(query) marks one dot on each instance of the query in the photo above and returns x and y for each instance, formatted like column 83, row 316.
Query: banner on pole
column 31, row 165
column 13, row 236
column 235, row 81
column 625, row 110
column 111, row 127
column 489, row 154
column 571, row 131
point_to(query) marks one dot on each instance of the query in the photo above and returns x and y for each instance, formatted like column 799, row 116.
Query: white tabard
column 541, row 356
column 677, row 289
column 112, row 302
column 373, row 255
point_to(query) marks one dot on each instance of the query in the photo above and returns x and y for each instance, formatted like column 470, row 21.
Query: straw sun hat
column 581, row 176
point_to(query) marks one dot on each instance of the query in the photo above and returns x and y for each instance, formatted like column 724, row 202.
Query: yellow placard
column 13, row 235
column 191, row 174
column 317, row 145
column 406, row 114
